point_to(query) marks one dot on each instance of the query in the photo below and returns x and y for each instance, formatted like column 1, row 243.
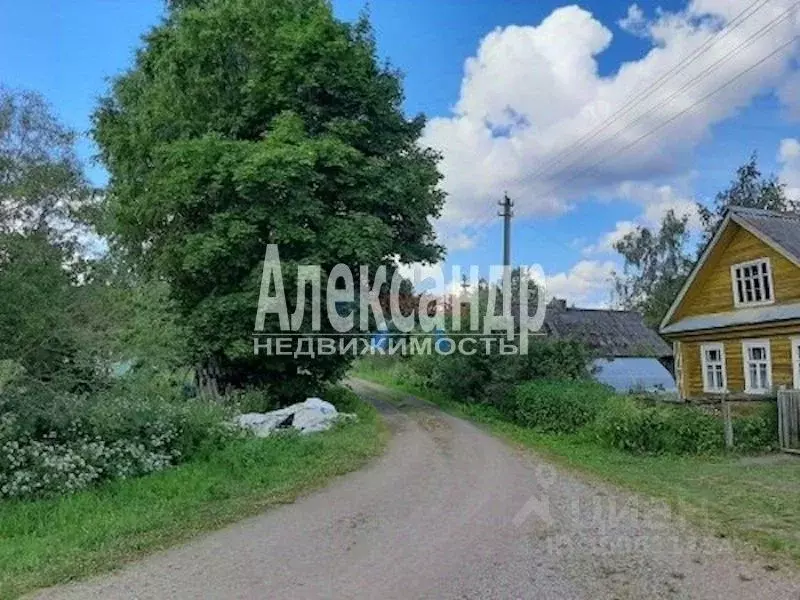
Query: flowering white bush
column 114, row 439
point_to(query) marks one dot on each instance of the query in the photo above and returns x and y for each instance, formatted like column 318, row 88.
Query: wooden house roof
column 779, row 230
column 608, row 333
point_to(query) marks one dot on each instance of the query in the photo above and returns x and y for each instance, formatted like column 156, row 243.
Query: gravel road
column 450, row 512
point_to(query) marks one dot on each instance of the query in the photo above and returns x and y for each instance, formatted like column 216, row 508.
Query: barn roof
column 609, row 333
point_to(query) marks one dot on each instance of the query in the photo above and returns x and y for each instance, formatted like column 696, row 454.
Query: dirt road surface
column 450, row 512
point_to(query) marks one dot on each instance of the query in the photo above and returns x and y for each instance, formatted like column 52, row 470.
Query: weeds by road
column 51, row 541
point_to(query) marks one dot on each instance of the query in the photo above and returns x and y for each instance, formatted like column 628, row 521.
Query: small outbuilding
column 629, row 355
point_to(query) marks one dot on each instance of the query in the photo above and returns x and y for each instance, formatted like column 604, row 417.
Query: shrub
column 634, row 426
column 490, row 378
column 556, row 406
column 252, row 400
column 54, row 443
column 757, row 432
column 464, row 378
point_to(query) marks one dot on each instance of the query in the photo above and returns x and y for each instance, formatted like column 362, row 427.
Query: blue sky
column 558, row 67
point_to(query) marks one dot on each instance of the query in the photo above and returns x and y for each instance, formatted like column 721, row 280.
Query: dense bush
column 53, row 443
column 486, row 378
column 636, row 426
column 252, row 400
column 757, row 432
column 556, row 406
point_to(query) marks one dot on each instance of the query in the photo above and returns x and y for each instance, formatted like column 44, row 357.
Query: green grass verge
column 755, row 500
column 52, row 541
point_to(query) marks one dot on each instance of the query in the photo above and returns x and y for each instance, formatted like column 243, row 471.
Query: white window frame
column 678, row 364
column 746, row 345
column 734, row 288
column 704, row 365
column 795, row 341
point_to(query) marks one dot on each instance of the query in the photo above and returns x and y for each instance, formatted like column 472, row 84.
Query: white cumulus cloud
column 587, row 284
column 531, row 92
column 656, row 201
column 789, row 159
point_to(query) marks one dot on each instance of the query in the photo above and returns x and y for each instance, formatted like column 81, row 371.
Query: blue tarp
column 634, row 374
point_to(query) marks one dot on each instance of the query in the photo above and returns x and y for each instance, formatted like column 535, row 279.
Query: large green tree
column 656, row 262
column 249, row 122
column 42, row 186
column 42, row 195
column 656, row 265
column 749, row 189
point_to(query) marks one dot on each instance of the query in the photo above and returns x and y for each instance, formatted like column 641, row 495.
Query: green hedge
column 557, row 406
column 635, row 426
column 757, row 432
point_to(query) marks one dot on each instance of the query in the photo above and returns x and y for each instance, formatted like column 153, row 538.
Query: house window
column 795, row 342
column 752, row 283
column 713, row 361
column 677, row 353
column 757, row 366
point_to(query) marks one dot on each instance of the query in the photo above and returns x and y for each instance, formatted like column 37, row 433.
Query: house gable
column 710, row 288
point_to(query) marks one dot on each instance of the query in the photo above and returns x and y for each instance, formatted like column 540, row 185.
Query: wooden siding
column 691, row 381
column 712, row 290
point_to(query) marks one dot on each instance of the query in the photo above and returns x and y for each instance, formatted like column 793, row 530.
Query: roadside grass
column 755, row 500
column 52, row 541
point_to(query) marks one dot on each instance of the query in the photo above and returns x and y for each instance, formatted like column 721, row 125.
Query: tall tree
column 42, row 195
column 656, row 265
column 658, row 262
column 42, row 186
column 749, row 189
column 244, row 123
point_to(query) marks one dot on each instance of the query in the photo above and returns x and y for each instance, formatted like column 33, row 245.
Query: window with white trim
column 757, row 366
column 752, row 283
column 712, row 357
column 795, row 342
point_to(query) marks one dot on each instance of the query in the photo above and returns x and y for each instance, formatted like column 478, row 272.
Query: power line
column 766, row 28
column 640, row 96
column 707, row 71
column 675, row 116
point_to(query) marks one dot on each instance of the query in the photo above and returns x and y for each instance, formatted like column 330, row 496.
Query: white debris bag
column 306, row 417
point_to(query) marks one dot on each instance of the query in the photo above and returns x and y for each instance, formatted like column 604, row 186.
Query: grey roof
column 782, row 228
column 742, row 316
column 608, row 333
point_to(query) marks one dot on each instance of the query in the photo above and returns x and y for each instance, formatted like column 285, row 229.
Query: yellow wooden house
column 735, row 324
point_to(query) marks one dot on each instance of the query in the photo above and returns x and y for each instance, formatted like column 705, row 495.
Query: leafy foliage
column 656, row 265
column 481, row 378
column 657, row 262
column 556, row 406
column 486, row 378
column 43, row 197
column 757, row 432
column 749, row 189
column 42, row 188
column 244, row 123
column 633, row 426
column 58, row 443
column 591, row 411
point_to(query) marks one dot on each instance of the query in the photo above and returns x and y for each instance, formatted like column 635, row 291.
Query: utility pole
column 464, row 284
column 506, row 204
